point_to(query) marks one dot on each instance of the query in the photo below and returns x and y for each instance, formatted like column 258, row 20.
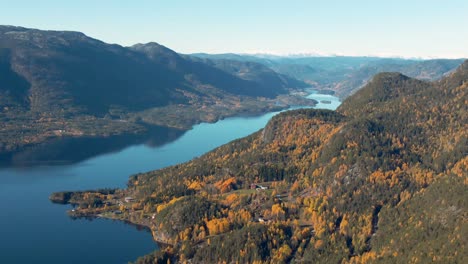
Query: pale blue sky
column 410, row 28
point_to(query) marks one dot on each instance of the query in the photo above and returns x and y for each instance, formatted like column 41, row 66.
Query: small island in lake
column 325, row 101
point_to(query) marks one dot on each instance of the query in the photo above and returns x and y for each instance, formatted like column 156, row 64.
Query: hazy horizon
column 416, row 29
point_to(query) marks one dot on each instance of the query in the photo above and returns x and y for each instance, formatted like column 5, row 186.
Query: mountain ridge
column 64, row 83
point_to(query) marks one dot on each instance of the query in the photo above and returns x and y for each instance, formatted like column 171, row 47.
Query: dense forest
column 381, row 180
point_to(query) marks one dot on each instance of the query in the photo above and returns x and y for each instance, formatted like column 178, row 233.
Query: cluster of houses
column 258, row 187
column 120, row 203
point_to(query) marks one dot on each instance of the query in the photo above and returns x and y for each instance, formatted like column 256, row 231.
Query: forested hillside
column 381, row 180
column 427, row 70
column 61, row 83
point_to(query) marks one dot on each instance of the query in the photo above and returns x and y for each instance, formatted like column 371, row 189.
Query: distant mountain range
column 341, row 74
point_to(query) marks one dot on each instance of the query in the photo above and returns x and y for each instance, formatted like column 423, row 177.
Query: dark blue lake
column 34, row 230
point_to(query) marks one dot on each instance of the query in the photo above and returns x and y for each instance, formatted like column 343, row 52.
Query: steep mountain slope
column 90, row 73
column 381, row 180
column 251, row 79
column 53, row 82
column 254, row 72
column 67, row 70
column 13, row 88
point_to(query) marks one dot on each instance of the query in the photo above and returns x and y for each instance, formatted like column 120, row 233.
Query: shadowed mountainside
column 62, row 83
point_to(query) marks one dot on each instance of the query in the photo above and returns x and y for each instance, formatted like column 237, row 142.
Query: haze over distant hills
column 344, row 74
column 62, row 83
